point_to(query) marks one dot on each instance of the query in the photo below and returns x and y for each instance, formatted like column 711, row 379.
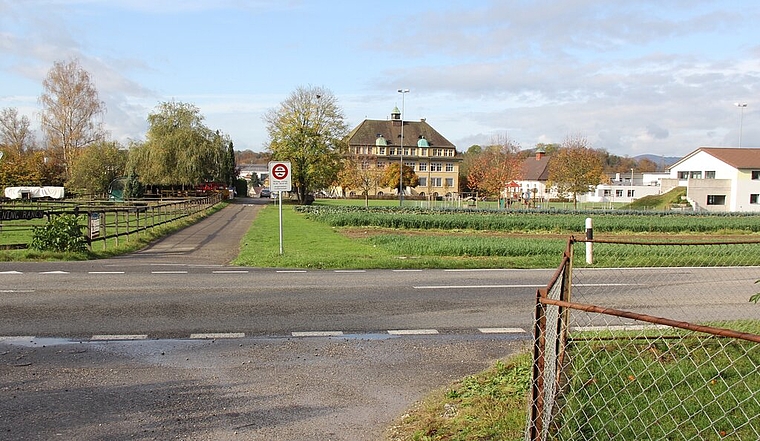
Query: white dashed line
column 17, row 338
column 350, row 271
column 317, row 334
column 105, row 272
column 15, row 290
column 476, row 286
column 291, row 271
column 54, row 272
column 215, row 335
column 119, row 337
column 11, row 272
column 168, row 272
column 501, row 330
column 413, row 332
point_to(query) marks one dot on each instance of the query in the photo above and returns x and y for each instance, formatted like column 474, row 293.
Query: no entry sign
column 280, row 176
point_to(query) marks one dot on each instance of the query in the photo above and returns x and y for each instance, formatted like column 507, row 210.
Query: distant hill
column 661, row 161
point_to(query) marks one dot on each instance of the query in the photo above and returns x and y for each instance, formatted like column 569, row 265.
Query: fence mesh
column 649, row 342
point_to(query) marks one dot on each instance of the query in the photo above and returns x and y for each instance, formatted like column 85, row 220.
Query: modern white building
column 627, row 187
column 719, row 179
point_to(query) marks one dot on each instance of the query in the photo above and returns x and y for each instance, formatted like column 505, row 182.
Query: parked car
column 265, row 193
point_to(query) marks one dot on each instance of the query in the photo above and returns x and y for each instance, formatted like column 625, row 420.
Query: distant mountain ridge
column 662, row 161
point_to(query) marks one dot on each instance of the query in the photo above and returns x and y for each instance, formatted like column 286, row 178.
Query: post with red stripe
column 279, row 181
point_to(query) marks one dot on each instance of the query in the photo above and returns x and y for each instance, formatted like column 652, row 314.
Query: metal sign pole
column 280, row 198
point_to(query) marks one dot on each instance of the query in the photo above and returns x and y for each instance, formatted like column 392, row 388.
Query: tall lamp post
column 403, row 93
column 741, row 106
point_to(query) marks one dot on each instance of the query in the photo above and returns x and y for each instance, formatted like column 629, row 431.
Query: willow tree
column 179, row 149
column 575, row 168
column 307, row 129
column 70, row 111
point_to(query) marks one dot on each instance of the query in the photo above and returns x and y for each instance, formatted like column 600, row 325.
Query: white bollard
column 589, row 245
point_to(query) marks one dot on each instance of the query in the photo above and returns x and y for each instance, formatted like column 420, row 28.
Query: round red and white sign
column 280, row 171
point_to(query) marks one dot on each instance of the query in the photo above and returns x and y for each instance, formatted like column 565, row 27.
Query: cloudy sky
column 634, row 77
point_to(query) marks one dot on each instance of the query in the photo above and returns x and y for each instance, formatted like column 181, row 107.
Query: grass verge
column 487, row 406
column 312, row 244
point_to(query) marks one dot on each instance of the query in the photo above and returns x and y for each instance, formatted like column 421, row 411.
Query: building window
column 381, row 151
column 756, row 175
column 437, row 152
column 423, row 166
column 618, row 193
column 422, row 182
column 716, row 199
column 710, row 175
column 630, row 193
column 436, row 166
column 754, row 199
column 696, row 175
column 607, row 193
column 449, row 182
column 410, row 165
column 436, row 182
column 423, row 152
column 380, row 164
column 683, row 175
column 449, row 167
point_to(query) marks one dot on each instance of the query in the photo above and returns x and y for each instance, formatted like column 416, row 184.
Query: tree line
column 76, row 152
column 308, row 129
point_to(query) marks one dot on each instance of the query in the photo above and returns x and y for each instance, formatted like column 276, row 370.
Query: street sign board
column 280, row 176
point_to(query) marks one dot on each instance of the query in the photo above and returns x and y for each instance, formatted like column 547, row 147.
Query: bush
column 62, row 234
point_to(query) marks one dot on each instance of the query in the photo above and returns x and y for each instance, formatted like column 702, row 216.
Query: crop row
column 529, row 221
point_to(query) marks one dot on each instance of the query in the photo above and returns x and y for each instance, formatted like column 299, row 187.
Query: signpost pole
column 280, row 198
column 279, row 181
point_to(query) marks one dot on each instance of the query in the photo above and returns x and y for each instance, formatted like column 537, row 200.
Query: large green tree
column 391, row 178
column 179, row 149
column 575, row 168
column 307, row 129
column 97, row 166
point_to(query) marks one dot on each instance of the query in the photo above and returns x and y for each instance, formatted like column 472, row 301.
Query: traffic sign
column 280, row 176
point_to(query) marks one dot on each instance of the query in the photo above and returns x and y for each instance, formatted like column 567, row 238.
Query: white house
column 627, row 187
column 719, row 178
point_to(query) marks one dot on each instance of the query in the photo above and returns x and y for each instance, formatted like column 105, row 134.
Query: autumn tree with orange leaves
column 494, row 168
column 576, row 168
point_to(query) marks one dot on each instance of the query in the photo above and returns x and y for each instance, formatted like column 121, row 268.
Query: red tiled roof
column 740, row 158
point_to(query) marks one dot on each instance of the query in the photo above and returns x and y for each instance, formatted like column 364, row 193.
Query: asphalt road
column 215, row 352
column 174, row 343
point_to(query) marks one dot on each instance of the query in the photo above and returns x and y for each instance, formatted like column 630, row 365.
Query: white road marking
column 16, row 337
column 501, row 330
column 229, row 272
column 475, row 286
column 317, row 334
column 11, row 272
column 291, row 271
column 15, row 290
column 54, row 272
column 350, row 271
column 105, row 272
column 120, row 337
column 413, row 332
column 168, row 272
column 215, row 335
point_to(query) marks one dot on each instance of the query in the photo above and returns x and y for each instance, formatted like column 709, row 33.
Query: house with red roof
column 720, row 179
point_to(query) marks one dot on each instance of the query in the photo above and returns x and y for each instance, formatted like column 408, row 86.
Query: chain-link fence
column 650, row 341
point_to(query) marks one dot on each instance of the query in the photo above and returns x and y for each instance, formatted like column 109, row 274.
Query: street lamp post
column 741, row 106
column 403, row 93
